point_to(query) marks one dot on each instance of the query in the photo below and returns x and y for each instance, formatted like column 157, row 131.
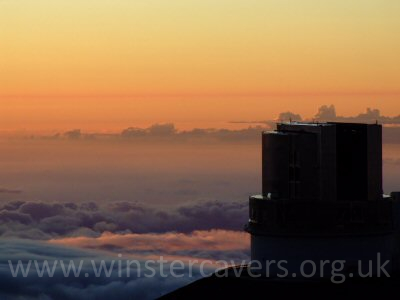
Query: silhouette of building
column 322, row 198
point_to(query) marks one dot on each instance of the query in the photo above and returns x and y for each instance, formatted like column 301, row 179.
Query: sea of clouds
column 38, row 231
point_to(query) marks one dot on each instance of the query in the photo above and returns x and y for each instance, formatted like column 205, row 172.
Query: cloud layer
column 213, row 244
column 86, row 286
column 39, row 220
column 168, row 132
column 95, row 232
column 327, row 113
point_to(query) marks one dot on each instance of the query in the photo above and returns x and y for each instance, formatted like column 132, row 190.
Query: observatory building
column 322, row 199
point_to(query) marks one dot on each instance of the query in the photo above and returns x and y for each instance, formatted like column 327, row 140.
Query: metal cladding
column 323, row 162
column 284, row 154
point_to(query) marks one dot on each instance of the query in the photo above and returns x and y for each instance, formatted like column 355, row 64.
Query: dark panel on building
column 351, row 147
column 375, row 185
column 275, row 160
column 323, row 150
column 291, row 166
column 328, row 164
column 359, row 161
column 304, row 167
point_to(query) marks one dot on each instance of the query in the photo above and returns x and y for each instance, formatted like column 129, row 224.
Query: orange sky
column 102, row 65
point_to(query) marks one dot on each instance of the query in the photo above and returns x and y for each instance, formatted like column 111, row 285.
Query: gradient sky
column 104, row 64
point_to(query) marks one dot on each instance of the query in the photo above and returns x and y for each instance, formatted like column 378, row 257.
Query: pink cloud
column 216, row 240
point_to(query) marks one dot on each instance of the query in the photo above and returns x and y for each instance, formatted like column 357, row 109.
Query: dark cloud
column 12, row 205
column 169, row 131
column 156, row 130
column 165, row 132
column 50, row 220
column 39, row 211
column 12, row 216
column 73, row 134
column 289, row 116
column 326, row 113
